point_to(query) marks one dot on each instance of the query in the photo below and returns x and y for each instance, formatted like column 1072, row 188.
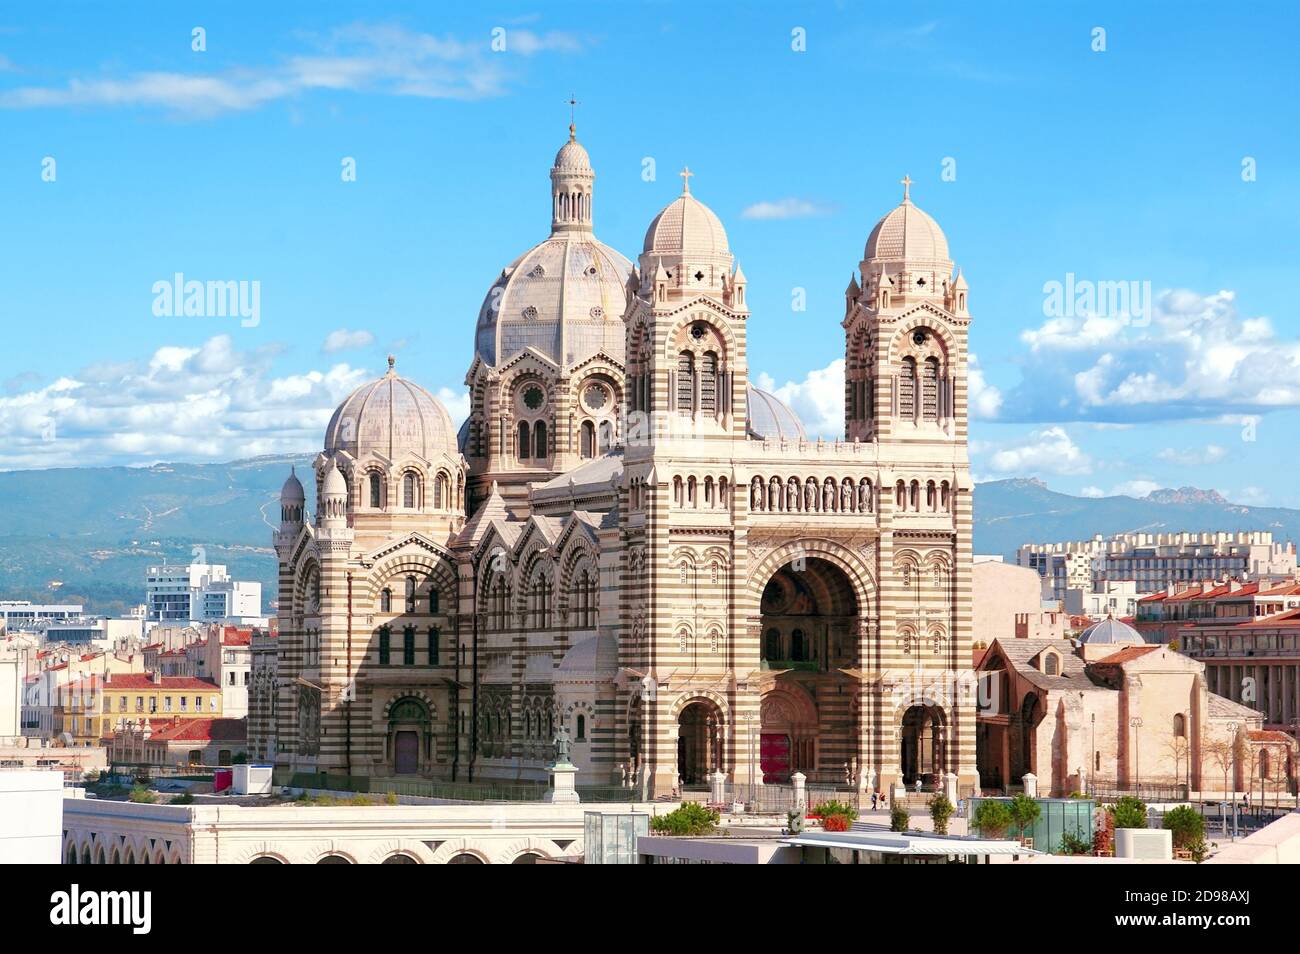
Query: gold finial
column 573, row 125
column 686, row 179
column 906, row 182
column 391, row 361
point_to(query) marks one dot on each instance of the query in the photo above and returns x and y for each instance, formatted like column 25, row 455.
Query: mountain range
column 87, row 535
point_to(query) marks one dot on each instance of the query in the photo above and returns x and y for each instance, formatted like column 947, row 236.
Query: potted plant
column 1129, row 812
column 836, row 815
column 898, row 817
column 1188, row 828
column 941, row 809
column 992, row 818
column 1025, row 813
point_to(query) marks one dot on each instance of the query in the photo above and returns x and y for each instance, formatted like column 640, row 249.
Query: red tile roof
column 1127, row 654
column 1268, row 735
column 144, row 680
column 199, row 730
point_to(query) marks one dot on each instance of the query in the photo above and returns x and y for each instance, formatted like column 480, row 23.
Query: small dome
column 907, row 234
column 595, row 655
column 334, row 485
column 291, row 492
column 686, row 225
column 1111, row 631
column 391, row 417
column 770, row 418
column 573, row 157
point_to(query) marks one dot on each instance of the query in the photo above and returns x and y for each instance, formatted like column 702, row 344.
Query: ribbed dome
column 686, row 225
column 1111, row 631
column 573, row 157
column 770, row 418
column 907, row 233
column 563, row 297
column 594, row 655
column 391, row 417
column 334, row 485
column 292, row 491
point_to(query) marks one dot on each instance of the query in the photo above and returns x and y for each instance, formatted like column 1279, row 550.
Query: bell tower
column 905, row 332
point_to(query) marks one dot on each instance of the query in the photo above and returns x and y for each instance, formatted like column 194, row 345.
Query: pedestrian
column 874, row 800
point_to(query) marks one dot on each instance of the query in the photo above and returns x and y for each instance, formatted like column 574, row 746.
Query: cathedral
column 629, row 542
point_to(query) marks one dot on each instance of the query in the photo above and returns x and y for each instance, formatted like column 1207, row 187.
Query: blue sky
column 1115, row 165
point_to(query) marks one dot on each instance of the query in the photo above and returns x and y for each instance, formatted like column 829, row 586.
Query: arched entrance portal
column 809, row 651
column 410, row 736
column 923, row 745
column 699, row 742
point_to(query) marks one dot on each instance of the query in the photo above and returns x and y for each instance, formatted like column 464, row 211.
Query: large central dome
column 563, row 297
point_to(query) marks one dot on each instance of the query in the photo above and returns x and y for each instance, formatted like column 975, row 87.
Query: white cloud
column 1250, row 496
column 457, row 404
column 985, row 400
column 1091, row 491
column 818, row 399
column 1135, row 488
column 382, row 59
column 1195, row 358
column 1193, row 457
column 786, row 209
column 1047, row 451
column 342, row 339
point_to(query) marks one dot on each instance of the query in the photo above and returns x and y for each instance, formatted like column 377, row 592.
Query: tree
column 898, row 817
column 1220, row 752
column 1129, row 812
column 1177, row 747
column 1187, row 825
column 690, row 818
column 992, row 818
column 1025, row 812
column 941, row 810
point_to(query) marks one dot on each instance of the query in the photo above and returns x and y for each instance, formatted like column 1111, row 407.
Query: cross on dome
column 906, row 182
column 686, row 179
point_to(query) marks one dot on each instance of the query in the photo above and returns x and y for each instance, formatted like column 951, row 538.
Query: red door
column 406, row 753
column 774, row 756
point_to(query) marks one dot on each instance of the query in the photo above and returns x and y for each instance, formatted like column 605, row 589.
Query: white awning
column 904, row 843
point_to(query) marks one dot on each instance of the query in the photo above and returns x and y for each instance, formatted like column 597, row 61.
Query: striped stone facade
column 710, row 593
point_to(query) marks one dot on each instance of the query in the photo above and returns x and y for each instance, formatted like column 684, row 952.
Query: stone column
column 800, row 796
column 1031, row 784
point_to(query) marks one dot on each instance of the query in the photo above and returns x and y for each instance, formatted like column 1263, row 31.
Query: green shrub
column 184, row 798
column 690, row 818
column 1129, row 812
column 241, row 758
column 1025, row 812
column 898, row 818
column 831, row 808
column 141, row 794
column 941, row 810
column 993, row 818
column 1187, row 825
column 390, row 798
column 1072, row 844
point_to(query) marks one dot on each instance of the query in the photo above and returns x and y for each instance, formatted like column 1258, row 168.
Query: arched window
column 408, row 491
column 1265, row 764
column 525, row 434
column 931, row 496
column 541, row 449
column 386, row 601
column 582, row 728
column 376, row 494
column 930, row 390
column 907, row 390
column 410, row 594
column 1180, row 726
column 686, row 382
column 1051, row 665
column 900, row 496
column 709, row 383
column 606, row 437
column 433, row 645
column 408, row 646
column 440, row 490
column 588, row 439
column 384, row 634
column 683, row 568
column 914, row 499
column 433, row 599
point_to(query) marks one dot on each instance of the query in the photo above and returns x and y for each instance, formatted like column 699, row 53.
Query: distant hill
column 1011, row 513
column 88, row 534
column 83, row 534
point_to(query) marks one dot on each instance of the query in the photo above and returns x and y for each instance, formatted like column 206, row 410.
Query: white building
column 31, row 817
column 1111, row 598
column 105, row 631
column 1156, row 560
column 200, row 592
column 21, row 614
column 12, row 673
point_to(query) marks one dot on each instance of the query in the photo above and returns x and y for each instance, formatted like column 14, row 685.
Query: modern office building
column 200, row 592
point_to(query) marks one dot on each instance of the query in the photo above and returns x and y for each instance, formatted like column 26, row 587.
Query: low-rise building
column 93, row 706
column 177, row 742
